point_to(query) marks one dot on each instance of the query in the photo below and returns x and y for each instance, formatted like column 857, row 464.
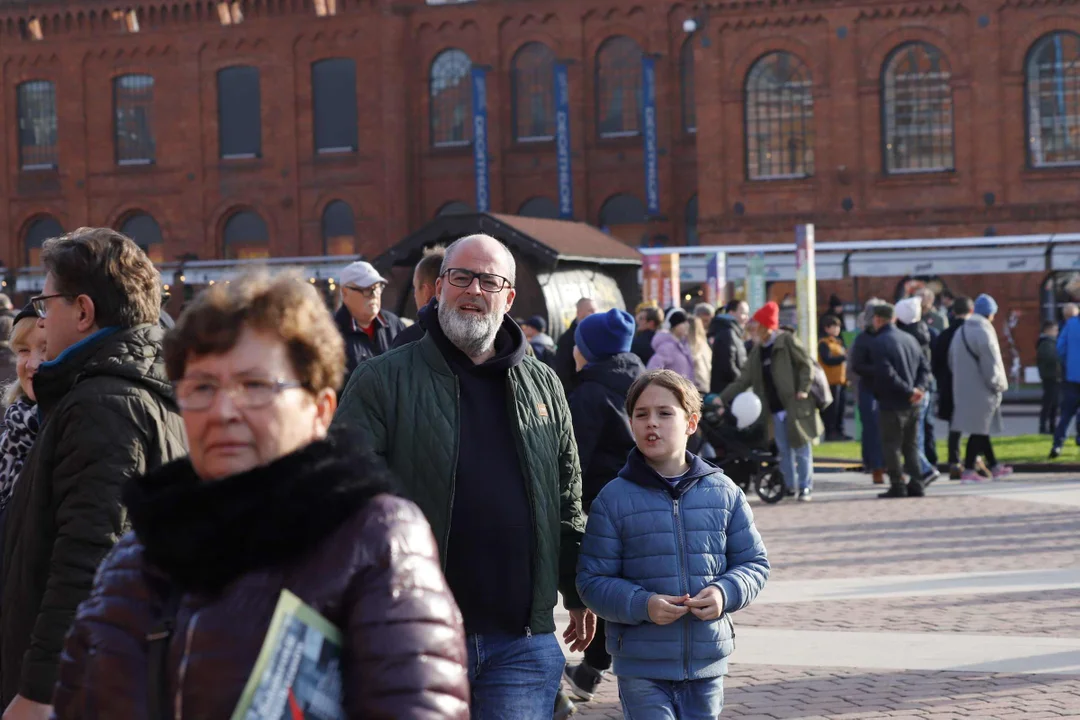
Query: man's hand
column 707, row 604
column 581, row 630
column 23, row 709
column 917, row 396
column 666, row 609
column 801, row 396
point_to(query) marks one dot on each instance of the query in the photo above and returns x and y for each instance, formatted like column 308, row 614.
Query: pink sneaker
column 999, row 471
column 970, row 476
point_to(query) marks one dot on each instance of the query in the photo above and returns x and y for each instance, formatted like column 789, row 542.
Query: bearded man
column 481, row 438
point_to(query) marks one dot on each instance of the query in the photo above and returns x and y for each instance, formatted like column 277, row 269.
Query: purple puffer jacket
column 670, row 353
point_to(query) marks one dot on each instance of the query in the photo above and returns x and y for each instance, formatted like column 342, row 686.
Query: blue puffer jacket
column 1068, row 347
column 646, row 537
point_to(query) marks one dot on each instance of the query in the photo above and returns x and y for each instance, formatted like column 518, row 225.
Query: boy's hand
column 707, row 604
column 666, row 609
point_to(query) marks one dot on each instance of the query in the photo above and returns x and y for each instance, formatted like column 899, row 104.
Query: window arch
column 37, row 232
column 779, row 118
column 532, row 83
column 623, row 216
column 686, row 82
column 333, row 105
column 454, row 207
column 917, row 110
column 451, row 99
column 691, row 222
column 144, row 230
column 246, row 236
column 133, row 102
column 539, row 207
column 1053, row 100
column 239, row 113
column 37, row 125
column 619, row 97
column 338, row 229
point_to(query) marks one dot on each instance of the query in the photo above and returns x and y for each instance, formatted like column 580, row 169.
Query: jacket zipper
column 453, row 473
column 684, row 575
column 189, row 638
column 512, row 387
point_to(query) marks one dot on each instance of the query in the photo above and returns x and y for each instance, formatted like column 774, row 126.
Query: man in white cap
column 368, row 330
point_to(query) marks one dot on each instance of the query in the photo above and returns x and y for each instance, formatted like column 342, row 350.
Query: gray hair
column 511, row 264
column 1070, row 310
column 704, row 309
column 868, row 310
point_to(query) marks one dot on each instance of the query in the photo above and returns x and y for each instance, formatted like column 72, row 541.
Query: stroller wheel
column 769, row 486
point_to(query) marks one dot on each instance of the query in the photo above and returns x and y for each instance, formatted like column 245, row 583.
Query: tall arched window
column 43, row 228
column 338, row 229
column 451, row 99
column 532, row 82
column 1053, row 100
column 144, row 230
column 686, row 82
column 691, row 222
column 333, row 89
column 133, row 103
column 246, row 237
column 917, row 110
column 37, row 125
column 539, row 207
column 779, row 118
column 624, row 216
column 618, row 88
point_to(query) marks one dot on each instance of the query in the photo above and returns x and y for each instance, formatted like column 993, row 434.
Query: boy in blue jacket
column 670, row 551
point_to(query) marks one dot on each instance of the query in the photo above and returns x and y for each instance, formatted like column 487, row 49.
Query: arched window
column 333, row 89
column 133, row 102
column 779, row 118
column 338, row 229
column 686, row 81
column 532, row 82
column 144, row 230
column 451, row 99
column 239, row 113
column 1053, row 100
column 623, row 216
column 691, row 222
column 37, row 233
column 246, row 237
column 917, row 110
column 618, row 88
column 454, row 207
column 539, row 207
column 37, row 125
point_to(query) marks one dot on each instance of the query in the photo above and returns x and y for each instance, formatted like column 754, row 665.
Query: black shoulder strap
column 157, row 680
column 963, row 338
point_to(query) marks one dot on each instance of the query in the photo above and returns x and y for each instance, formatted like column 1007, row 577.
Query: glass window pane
column 532, row 80
column 133, row 100
column 246, row 237
column 917, row 110
column 540, row 207
column 338, row 229
column 619, row 98
column 691, row 221
column 146, row 233
column 239, row 112
column 779, row 118
column 1053, row 100
column 37, row 125
column 37, row 233
column 333, row 84
column 451, row 99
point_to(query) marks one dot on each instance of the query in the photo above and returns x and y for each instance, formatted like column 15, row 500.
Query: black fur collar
column 206, row 534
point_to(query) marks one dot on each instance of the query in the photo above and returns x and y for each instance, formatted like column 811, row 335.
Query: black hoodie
column 601, row 424
column 489, row 555
column 639, row 472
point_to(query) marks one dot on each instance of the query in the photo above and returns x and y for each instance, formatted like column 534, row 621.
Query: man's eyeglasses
column 40, row 304
column 489, row 282
column 198, row 394
column 375, row 290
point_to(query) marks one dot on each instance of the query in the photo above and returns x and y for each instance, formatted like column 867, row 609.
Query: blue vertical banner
column 480, row 139
column 562, row 141
column 648, row 126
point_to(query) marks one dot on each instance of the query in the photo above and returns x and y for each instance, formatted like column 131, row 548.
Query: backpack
column 820, row 391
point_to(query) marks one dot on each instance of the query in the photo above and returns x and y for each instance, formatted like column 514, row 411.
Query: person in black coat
column 606, row 370
column 649, row 321
column 368, row 329
column 728, row 344
column 565, row 367
column 425, row 275
column 939, row 365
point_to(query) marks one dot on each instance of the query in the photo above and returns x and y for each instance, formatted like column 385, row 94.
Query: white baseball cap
column 362, row 275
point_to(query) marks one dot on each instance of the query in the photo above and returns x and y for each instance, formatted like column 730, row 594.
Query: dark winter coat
column 318, row 523
column 543, row 348
column 1046, row 358
column 601, row 423
column 860, row 358
column 899, row 368
column 107, row 415
column 642, row 345
column 8, row 371
column 564, row 365
column 939, row 366
column 358, row 346
column 410, row 334
column 729, row 351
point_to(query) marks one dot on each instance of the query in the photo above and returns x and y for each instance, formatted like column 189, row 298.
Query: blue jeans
column 671, row 700
column 1070, row 403
column 924, row 409
column 796, row 464
column 873, row 457
column 514, row 676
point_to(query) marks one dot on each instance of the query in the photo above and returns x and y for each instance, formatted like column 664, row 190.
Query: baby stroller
column 746, row 456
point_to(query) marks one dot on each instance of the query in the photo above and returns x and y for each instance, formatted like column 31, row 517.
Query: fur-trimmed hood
column 206, row 534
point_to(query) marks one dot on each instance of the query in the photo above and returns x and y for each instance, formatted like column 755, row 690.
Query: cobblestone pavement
column 848, row 533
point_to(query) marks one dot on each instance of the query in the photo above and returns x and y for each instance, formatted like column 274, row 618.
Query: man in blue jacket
column 1068, row 348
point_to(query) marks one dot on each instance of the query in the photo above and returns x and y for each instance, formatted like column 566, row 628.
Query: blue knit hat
column 602, row 335
column 985, row 305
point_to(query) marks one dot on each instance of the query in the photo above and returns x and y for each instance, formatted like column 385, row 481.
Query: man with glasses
column 481, row 438
column 107, row 415
column 368, row 330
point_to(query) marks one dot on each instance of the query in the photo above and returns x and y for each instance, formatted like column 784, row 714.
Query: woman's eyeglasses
column 489, row 282
column 249, row 394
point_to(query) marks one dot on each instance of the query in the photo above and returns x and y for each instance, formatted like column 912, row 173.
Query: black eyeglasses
column 375, row 290
column 38, row 302
column 489, row 282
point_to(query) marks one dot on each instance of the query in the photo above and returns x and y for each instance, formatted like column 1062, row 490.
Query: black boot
column 896, row 491
column 915, row 489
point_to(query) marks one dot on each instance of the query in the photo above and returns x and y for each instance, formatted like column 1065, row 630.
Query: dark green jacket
column 1047, row 360
column 107, row 415
column 405, row 403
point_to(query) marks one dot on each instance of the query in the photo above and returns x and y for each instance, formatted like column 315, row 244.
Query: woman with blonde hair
column 702, row 354
column 20, row 424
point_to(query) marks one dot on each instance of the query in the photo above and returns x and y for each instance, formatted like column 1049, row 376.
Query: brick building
column 310, row 127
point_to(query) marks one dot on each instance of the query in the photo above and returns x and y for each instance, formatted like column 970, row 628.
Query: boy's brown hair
column 685, row 393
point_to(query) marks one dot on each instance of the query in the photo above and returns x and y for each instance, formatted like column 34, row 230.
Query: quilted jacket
column 405, row 404
column 646, row 536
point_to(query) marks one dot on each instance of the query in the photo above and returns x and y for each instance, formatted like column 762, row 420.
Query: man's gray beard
column 471, row 335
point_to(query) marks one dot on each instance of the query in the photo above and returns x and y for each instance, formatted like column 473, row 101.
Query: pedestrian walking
column 671, row 551
column 671, row 348
column 368, row 329
column 780, row 372
column 425, row 274
column 20, row 425
column 862, row 366
column 936, row 318
column 565, row 363
column 701, row 353
column 728, row 344
column 704, row 312
column 107, row 414
column 607, row 370
column 535, row 329
column 1046, row 359
column 649, row 321
column 979, row 380
column 909, row 319
column 901, row 375
column 833, row 358
column 481, row 438
column 266, row 502
column 939, row 364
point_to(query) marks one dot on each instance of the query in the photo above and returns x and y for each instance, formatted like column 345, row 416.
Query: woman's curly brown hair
column 284, row 306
